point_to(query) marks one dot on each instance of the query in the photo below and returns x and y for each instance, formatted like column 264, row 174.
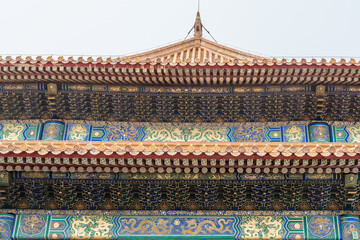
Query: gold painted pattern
column 184, row 134
column 294, row 134
column 320, row 132
column 86, row 227
column 12, row 131
column 52, row 131
column 78, row 132
column 249, row 134
column 269, row 227
column 320, row 226
column 32, row 225
column 123, row 132
column 206, row 226
column 354, row 134
column 146, row 226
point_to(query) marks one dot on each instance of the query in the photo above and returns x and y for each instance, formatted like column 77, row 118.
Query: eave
column 179, row 157
column 243, row 72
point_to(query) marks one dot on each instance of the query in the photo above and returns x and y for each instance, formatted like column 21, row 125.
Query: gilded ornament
column 185, row 134
column 56, row 225
column 101, row 147
column 148, row 226
column 258, row 227
column 191, row 148
column 294, row 134
column 203, row 148
column 354, row 133
column 123, row 132
column 32, row 225
column 249, row 134
column 179, row 226
column 196, row 227
column 91, row 227
column 78, row 132
column 54, row 236
column 153, row 148
column 12, row 131
column 320, row 133
column 320, row 226
column 52, row 131
column 62, row 147
column 114, row 147
column 140, row 147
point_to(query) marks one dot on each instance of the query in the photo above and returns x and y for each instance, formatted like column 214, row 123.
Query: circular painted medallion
column 294, row 134
column 320, row 133
column 32, row 225
column 320, row 226
column 52, row 131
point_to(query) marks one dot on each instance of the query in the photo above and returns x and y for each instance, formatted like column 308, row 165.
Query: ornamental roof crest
column 196, row 49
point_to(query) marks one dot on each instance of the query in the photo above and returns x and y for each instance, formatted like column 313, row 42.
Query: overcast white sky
column 118, row 27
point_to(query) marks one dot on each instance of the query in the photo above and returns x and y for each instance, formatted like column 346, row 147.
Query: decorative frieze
column 294, row 132
column 176, row 227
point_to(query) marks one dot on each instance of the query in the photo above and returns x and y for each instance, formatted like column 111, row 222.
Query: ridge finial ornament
column 198, row 26
column 198, row 29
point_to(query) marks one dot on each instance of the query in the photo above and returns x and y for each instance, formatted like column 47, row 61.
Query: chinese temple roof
column 192, row 62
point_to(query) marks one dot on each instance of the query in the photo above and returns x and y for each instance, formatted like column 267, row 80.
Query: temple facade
column 193, row 140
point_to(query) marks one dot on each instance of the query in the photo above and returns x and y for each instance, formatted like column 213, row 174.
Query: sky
column 272, row 28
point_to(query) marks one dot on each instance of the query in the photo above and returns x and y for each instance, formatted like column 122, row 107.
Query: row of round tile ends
column 240, row 62
column 186, row 170
column 299, row 149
